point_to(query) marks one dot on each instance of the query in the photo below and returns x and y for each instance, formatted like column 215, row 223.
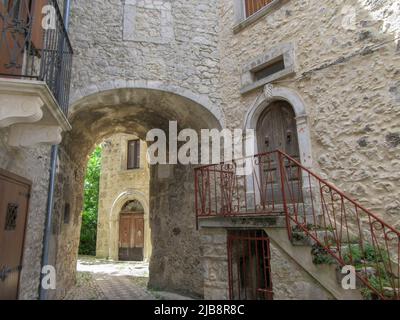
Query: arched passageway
column 175, row 261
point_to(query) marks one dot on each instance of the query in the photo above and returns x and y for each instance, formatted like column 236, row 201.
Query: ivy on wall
column 87, row 245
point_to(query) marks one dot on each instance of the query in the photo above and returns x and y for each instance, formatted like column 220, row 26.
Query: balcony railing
column 341, row 230
column 34, row 44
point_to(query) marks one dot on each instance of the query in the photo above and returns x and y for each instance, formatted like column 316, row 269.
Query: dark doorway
column 249, row 265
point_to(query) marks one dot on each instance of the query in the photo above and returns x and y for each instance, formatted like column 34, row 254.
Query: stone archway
column 175, row 261
column 120, row 201
column 274, row 93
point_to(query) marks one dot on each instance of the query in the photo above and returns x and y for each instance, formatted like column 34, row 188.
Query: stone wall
column 214, row 254
column 351, row 93
column 292, row 282
column 33, row 164
column 174, row 43
column 119, row 185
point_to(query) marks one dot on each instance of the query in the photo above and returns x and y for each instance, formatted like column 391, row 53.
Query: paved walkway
column 105, row 280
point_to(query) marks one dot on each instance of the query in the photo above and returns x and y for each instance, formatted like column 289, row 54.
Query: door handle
column 5, row 271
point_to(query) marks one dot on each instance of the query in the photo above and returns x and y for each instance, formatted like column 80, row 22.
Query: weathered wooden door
column 131, row 237
column 14, row 198
column 277, row 130
column 21, row 35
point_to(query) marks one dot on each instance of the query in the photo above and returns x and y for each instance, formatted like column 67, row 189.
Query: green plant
column 320, row 256
column 355, row 255
column 87, row 245
column 297, row 236
column 377, row 282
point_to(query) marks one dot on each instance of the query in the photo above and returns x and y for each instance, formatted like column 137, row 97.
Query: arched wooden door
column 277, row 130
column 131, row 232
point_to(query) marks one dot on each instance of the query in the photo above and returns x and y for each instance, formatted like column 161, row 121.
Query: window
column 253, row 6
column 133, row 154
column 269, row 69
column 276, row 63
column 248, row 12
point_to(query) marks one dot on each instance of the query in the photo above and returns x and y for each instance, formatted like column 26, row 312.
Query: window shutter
column 252, row 6
column 133, row 154
column 137, row 154
column 37, row 30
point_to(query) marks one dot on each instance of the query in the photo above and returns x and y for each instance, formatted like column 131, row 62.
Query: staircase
column 324, row 228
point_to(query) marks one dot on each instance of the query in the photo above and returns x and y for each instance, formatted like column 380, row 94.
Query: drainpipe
column 50, row 198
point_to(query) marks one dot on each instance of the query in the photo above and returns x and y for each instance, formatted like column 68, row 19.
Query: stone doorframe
column 274, row 93
column 119, row 202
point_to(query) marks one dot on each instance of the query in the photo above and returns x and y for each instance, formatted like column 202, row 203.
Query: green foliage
column 378, row 282
column 355, row 255
column 321, row 256
column 87, row 244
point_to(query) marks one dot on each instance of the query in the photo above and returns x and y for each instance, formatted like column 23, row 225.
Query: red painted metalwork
column 249, row 269
column 342, row 228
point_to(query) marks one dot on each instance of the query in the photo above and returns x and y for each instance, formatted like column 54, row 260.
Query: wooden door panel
column 139, row 233
column 14, row 197
column 12, row 43
column 131, row 242
column 125, row 232
column 277, row 130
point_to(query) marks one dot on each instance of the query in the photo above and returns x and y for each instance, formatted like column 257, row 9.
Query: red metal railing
column 338, row 227
column 252, row 6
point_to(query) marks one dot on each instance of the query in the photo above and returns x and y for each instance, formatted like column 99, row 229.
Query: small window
column 269, row 69
column 133, row 154
column 253, row 6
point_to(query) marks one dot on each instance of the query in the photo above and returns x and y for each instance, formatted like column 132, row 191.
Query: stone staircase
column 316, row 224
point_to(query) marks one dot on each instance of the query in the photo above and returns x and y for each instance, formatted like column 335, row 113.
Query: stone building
column 124, row 200
column 318, row 80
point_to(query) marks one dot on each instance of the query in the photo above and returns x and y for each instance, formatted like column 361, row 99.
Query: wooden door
column 14, row 198
column 131, row 237
column 14, row 38
column 277, row 130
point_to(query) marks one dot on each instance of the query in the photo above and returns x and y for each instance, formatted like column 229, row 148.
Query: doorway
column 131, row 232
column 14, row 199
column 249, row 265
column 277, row 130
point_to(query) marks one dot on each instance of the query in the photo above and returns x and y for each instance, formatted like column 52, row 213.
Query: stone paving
column 105, row 280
